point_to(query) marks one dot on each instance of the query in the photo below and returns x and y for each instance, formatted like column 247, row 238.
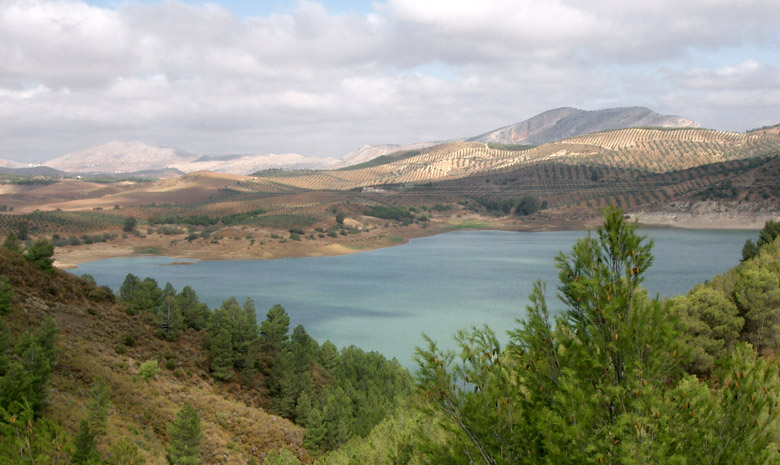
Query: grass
column 395, row 239
column 148, row 250
column 470, row 224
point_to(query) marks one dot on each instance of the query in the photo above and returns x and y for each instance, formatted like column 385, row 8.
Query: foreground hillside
column 72, row 350
column 97, row 338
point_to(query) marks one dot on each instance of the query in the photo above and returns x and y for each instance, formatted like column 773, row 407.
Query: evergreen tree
column 185, row 434
column 168, row 319
column 274, row 330
column 40, row 254
column 757, row 295
column 221, row 351
column 12, row 243
column 196, row 314
column 303, row 410
column 329, row 355
column 98, row 405
column 85, row 451
column 6, row 295
column 711, row 323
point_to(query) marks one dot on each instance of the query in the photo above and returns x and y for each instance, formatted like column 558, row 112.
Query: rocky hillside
column 563, row 123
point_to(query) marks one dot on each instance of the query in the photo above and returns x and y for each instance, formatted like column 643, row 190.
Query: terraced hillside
column 629, row 168
column 651, row 150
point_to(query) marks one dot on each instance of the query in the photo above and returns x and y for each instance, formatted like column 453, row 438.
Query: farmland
column 442, row 187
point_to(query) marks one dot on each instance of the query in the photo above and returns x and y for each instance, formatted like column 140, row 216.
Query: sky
column 322, row 78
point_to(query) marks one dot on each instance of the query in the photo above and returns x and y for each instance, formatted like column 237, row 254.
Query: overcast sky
column 323, row 78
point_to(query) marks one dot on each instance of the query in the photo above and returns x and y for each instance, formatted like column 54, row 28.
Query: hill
column 156, row 350
column 563, row 123
column 97, row 337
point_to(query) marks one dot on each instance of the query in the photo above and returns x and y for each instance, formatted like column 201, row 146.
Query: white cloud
column 200, row 78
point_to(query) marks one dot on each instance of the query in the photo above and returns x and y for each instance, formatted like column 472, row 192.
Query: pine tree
column 85, row 445
column 168, row 319
column 98, row 405
column 6, row 295
column 757, row 295
column 196, row 314
column 221, row 351
column 274, row 330
column 40, row 254
column 185, row 433
column 12, row 243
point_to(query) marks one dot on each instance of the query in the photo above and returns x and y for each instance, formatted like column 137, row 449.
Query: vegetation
column 602, row 382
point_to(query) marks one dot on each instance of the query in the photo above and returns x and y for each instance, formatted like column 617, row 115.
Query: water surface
column 384, row 299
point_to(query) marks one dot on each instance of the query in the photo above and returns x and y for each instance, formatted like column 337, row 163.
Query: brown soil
column 254, row 243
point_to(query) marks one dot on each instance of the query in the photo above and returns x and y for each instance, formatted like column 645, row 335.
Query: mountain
column 563, row 123
column 120, row 157
column 11, row 164
column 134, row 157
column 245, row 164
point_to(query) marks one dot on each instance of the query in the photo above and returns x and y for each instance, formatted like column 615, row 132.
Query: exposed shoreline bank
column 257, row 244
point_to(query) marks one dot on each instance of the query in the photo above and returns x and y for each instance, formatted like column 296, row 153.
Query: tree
column 712, row 326
column 129, row 224
column 6, row 295
column 757, row 295
column 767, row 235
column 274, row 330
column 98, row 405
column 185, row 434
column 221, row 351
column 40, row 254
column 168, row 319
column 130, row 286
column 85, row 445
column 196, row 314
column 528, row 205
column 12, row 243
column 563, row 391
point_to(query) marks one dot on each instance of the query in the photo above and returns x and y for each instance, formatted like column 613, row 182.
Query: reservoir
column 384, row 300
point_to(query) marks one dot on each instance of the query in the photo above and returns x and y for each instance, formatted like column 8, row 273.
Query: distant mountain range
column 134, row 157
column 563, row 123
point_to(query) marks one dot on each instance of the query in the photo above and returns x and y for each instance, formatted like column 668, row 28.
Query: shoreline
column 247, row 243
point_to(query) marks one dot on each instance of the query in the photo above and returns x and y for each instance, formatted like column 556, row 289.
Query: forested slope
column 154, row 376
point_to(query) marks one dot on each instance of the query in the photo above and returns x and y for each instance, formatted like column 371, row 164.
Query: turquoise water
column 384, row 299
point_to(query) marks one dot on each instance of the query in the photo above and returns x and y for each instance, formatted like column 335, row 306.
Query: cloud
column 198, row 77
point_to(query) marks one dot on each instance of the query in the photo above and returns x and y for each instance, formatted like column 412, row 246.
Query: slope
column 98, row 338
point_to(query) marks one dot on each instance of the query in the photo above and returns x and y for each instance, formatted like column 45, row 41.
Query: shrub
column 149, row 369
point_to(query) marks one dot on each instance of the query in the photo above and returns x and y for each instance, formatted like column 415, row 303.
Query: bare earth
column 250, row 243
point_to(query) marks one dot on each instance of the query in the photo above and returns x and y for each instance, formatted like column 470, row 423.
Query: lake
column 385, row 299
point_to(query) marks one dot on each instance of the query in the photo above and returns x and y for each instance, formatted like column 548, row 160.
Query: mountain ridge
column 566, row 122
column 553, row 125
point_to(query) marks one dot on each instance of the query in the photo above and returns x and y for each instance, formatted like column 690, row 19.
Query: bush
column 149, row 369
